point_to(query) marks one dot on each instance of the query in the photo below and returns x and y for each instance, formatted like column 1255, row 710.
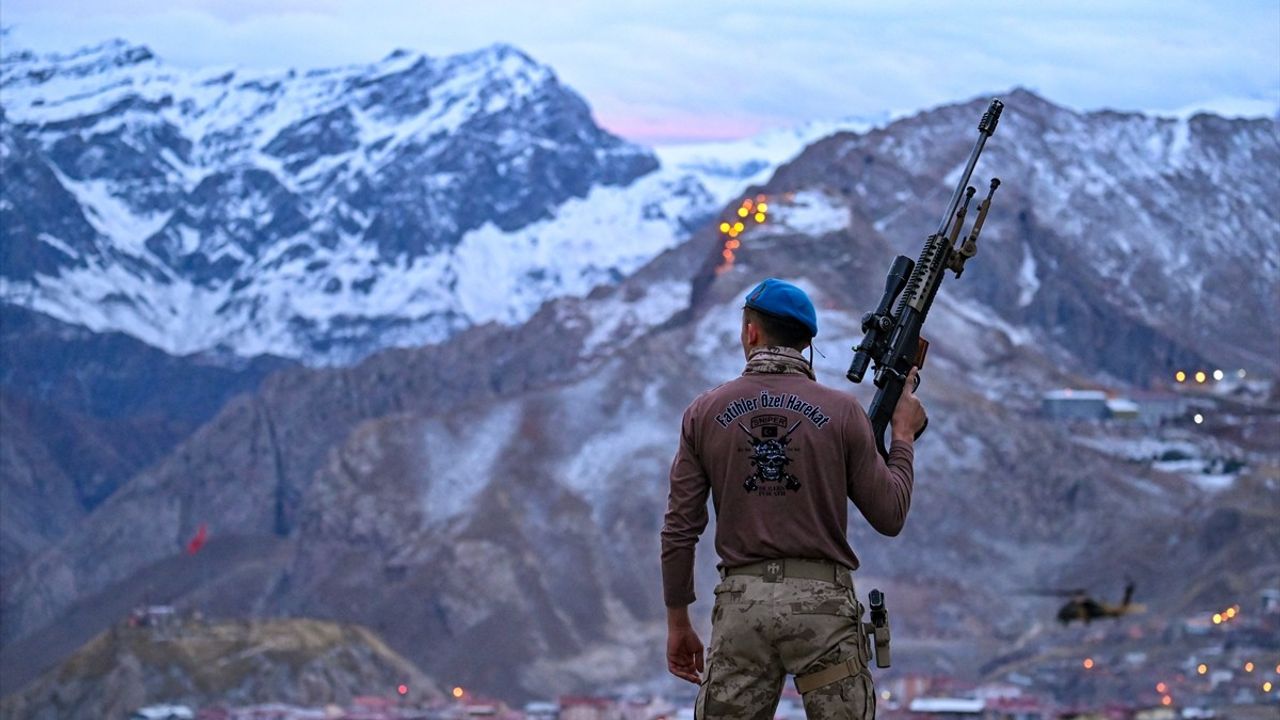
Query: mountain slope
column 84, row 412
column 1169, row 223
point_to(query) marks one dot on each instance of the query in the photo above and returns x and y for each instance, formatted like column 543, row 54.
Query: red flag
column 198, row 540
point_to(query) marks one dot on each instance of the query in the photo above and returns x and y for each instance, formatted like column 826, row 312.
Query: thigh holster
column 828, row 675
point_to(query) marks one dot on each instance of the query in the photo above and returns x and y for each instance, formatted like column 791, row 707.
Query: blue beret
column 784, row 300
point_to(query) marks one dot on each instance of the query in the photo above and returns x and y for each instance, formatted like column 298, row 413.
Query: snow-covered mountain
column 326, row 214
column 320, row 214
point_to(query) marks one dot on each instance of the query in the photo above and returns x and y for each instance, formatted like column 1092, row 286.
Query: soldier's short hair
column 779, row 330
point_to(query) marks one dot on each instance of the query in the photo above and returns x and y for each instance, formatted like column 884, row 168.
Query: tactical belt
column 776, row 570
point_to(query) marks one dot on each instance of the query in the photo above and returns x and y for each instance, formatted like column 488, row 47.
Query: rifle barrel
column 986, row 128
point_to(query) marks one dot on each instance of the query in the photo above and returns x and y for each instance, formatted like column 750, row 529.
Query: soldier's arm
column 881, row 490
column 685, row 519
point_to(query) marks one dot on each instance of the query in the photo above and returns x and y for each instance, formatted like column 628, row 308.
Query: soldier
column 779, row 454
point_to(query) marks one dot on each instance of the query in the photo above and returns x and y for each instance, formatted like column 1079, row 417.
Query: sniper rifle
column 892, row 340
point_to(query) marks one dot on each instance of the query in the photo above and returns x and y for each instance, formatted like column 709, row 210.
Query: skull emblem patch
column 770, row 460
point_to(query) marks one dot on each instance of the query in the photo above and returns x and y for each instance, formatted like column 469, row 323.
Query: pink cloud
column 680, row 127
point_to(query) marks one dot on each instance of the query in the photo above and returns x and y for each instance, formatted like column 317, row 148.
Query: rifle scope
column 879, row 321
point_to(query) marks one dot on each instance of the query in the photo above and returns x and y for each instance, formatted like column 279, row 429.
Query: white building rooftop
column 1069, row 394
column 968, row 706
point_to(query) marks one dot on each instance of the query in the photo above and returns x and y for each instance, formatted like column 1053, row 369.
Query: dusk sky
column 670, row 70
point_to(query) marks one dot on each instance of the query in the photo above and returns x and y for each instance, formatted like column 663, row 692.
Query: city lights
column 1248, row 667
column 1204, row 376
column 1266, row 686
column 1202, row 668
column 458, row 693
column 1198, row 418
column 1162, row 688
column 403, row 690
column 1088, row 663
column 1226, row 615
column 1166, row 701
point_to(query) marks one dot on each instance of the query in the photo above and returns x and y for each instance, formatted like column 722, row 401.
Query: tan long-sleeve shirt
column 780, row 455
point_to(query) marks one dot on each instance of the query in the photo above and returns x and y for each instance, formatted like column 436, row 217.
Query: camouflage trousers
column 763, row 631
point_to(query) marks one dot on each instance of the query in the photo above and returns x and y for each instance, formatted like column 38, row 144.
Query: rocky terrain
column 491, row 503
column 188, row 661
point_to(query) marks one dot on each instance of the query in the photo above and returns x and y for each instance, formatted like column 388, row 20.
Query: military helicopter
column 1082, row 606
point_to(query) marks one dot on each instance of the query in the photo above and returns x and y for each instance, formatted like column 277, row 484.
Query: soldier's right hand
column 909, row 417
column 684, row 653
